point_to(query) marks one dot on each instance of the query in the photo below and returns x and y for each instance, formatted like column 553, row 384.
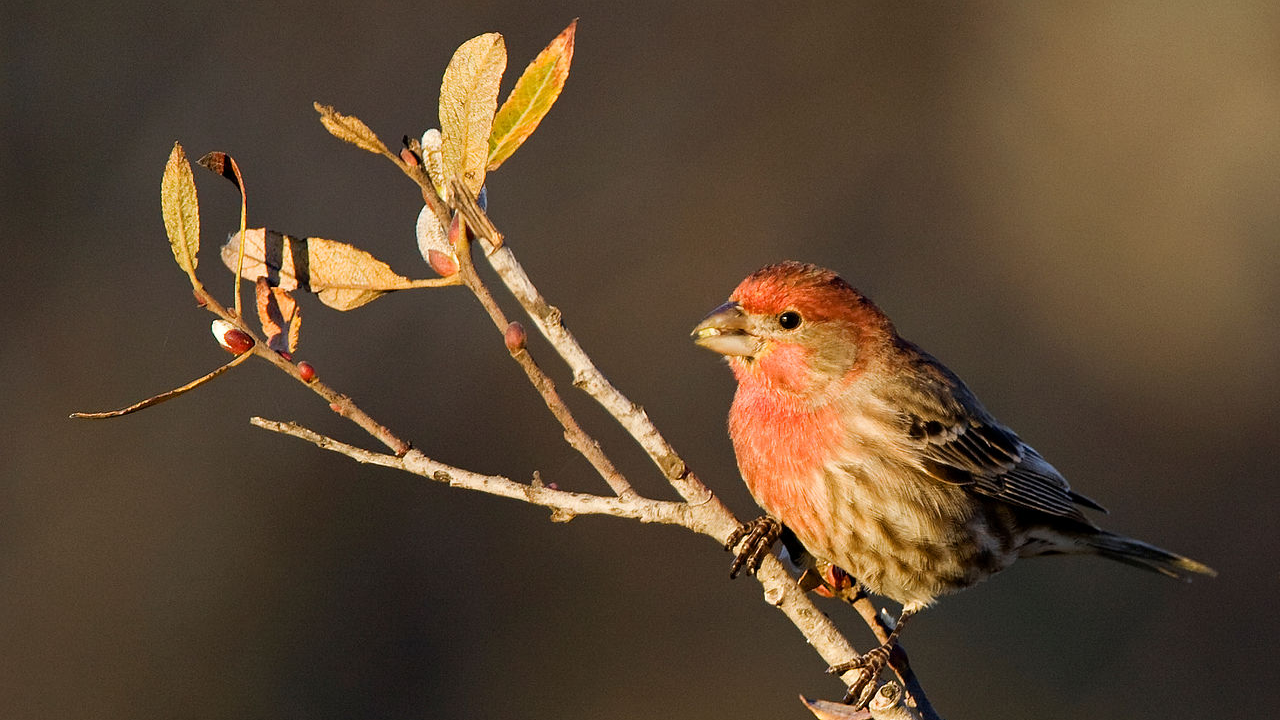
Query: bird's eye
column 789, row 320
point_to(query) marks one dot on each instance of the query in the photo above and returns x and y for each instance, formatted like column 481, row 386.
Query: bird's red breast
column 782, row 444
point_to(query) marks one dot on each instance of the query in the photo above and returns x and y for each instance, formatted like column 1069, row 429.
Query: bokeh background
column 1074, row 205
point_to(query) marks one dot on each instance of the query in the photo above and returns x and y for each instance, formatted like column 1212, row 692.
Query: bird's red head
column 816, row 293
column 794, row 327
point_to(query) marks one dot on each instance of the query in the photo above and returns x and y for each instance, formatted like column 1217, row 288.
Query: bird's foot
column 871, row 663
column 757, row 538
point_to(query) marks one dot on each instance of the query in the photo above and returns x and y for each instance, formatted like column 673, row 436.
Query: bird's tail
column 1140, row 554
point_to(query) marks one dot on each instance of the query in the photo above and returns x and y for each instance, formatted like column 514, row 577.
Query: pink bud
column 231, row 338
column 307, row 372
column 515, row 337
column 409, row 157
column 442, row 263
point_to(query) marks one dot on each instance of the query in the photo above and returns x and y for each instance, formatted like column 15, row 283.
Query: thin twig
column 586, row 376
column 578, row 438
column 167, row 395
column 566, row 504
column 339, row 403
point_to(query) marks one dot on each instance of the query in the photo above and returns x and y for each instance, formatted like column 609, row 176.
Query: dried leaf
column 224, row 165
column 468, row 99
column 280, row 316
column 534, row 94
column 351, row 129
column 181, row 210
column 341, row 275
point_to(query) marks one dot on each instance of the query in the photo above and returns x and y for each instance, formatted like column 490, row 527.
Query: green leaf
column 181, row 210
column 351, row 129
column 534, row 94
column 468, row 99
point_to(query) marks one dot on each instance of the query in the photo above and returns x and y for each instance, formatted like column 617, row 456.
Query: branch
column 911, row 689
column 338, row 402
column 780, row 589
column 714, row 514
column 164, row 396
column 565, row 504
column 701, row 511
column 887, row 704
column 586, row 376
column 577, row 438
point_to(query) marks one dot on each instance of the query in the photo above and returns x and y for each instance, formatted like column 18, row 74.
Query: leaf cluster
column 475, row 137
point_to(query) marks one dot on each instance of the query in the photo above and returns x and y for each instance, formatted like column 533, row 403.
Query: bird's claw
column 870, row 664
column 757, row 538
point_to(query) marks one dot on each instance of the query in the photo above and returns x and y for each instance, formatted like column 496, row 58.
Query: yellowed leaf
column 181, row 210
column 280, row 316
column 534, row 94
column 351, row 129
column 468, row 99
column 342, row 276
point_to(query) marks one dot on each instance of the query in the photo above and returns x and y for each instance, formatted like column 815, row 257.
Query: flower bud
column 231, row 338
column 441, row 263
column 515, row 337
column 432, row 237
column 307, row 372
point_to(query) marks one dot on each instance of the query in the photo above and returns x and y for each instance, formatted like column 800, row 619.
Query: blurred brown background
column 1074, row 206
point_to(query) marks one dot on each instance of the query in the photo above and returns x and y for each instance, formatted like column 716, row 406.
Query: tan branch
column 339, row 403
column 702, row 512
column 889, row 703
column 565, row 504
column 578, row 438
column 711, row 516
column 586, row 376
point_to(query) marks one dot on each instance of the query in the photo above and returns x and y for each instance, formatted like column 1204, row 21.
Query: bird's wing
column 959, row 443
column 992, row 461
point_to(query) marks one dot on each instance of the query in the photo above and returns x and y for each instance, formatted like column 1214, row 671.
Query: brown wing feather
column 961, row 444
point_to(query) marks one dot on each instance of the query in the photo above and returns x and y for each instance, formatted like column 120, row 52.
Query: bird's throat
column 783, row 444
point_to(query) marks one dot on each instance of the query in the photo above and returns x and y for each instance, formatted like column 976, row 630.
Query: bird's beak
column 725, row 331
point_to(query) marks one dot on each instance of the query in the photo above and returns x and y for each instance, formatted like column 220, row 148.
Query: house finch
column 879, row 459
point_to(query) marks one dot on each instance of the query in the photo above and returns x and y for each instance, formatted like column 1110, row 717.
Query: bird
column 879, row 460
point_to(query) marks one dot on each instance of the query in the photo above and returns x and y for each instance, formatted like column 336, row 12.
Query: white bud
column 231, row 338
column 432, row 237
column 433, row 159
